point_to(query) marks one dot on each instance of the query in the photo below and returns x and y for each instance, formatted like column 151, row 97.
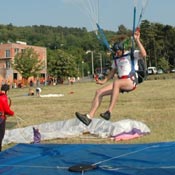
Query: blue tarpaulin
column 119, row 159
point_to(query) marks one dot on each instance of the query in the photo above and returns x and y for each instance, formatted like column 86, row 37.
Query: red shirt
column 4, row 106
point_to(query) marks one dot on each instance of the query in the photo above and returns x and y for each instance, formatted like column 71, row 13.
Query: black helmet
column 118, row 46
column 5, row 87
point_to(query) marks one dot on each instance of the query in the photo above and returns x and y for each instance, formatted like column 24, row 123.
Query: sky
column 85, row 13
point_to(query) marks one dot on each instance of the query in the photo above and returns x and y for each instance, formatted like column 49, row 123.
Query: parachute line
column 144, row 4
column 91, row 9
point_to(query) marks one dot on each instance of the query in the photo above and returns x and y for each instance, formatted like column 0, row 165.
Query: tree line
column 67, row 47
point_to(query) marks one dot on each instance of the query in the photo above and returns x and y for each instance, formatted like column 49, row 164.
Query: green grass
column 153, row 102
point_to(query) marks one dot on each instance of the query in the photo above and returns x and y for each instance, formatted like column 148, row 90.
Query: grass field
column 153, row 102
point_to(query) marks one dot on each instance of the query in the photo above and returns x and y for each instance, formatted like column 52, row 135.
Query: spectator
column 4, row 110
column 38, row 91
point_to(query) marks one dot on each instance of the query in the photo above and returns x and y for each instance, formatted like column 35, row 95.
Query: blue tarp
column 119, row 159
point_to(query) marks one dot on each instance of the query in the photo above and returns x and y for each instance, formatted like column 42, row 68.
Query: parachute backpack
column 142, row 70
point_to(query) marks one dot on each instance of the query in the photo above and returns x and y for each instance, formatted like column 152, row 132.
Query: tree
column 158, row 39
column 163, row 63
column 27, row 63
column 61, row 64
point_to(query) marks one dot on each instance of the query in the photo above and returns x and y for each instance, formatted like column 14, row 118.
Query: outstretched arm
column 139, row 44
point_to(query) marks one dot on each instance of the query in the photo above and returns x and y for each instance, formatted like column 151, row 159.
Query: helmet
column 118, row 46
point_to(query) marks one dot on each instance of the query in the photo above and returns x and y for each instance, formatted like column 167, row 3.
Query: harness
column 132, row 75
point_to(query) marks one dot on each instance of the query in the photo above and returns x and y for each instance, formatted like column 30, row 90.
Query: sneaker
column 83, row 118
column 106, row 115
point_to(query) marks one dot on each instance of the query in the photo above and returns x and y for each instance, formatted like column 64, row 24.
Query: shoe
column 106, row 115
column 83, row 118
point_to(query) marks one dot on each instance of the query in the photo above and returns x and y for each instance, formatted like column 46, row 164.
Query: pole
column 82, row 69
column 45, row 83
column 92, row 60
column 101, row 66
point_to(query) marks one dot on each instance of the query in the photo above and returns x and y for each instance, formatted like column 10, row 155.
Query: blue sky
column 74, row 13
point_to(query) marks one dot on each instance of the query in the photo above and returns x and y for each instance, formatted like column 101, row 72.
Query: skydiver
column 125, row 82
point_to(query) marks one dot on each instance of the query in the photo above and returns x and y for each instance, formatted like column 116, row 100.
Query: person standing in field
column 4, row 111
column 38, row 91
column 126, row 81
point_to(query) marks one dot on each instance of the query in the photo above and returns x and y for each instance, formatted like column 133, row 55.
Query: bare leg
column 126, row 84
column 112, row 90
column 100, row 93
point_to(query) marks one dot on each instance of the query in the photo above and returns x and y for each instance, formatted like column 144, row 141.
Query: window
column 8, row 64
column 7, row 53
column 16, row 50
column 22, row 50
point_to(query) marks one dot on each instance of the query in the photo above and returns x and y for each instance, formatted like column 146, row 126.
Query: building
column 7, row 54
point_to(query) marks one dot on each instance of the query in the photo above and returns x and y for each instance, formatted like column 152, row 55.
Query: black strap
column 132, row 60
column 124, row 55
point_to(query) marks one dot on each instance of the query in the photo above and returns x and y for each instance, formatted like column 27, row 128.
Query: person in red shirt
column 4, row 111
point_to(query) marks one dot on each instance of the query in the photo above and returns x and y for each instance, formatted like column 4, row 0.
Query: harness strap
column 124, row 55
column 124, row 77
column 124, row 90
column 133, row 79
column 115, row 58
